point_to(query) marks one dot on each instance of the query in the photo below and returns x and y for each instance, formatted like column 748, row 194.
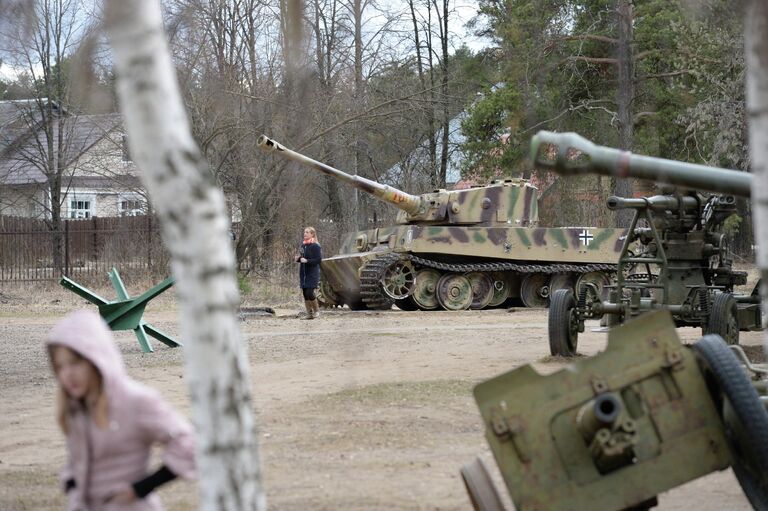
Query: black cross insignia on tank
column 586, row 237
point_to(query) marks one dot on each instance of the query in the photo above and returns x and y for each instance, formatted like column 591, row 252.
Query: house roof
column 23, row 144
column 117, row 182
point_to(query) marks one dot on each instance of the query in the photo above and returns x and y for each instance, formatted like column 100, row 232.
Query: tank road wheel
column 425, row 289
column 397, row 281
column 454, row 292
column 482, row 289
column 598, row 278
column 563, row 324
column 561, row 281
column 534, row 290
column 482, row 492
column 724, row 318
column 500, row 289
column 744, row 416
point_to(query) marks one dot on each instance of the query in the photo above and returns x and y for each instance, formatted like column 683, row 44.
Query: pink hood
column 86, row 333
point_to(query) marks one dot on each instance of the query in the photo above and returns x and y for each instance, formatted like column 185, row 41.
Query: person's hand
column 124, row 495
column 303, row 259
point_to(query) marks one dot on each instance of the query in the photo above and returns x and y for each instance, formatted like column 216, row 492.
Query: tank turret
column 458, row 249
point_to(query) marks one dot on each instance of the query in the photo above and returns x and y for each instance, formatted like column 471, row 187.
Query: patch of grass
column 413, row 392
column 276, row 289
column 244, row 284
column 372, row 419
column 558, row 359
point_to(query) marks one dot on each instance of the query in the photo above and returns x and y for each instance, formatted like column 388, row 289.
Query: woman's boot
column 316, row 307
column 310, row 310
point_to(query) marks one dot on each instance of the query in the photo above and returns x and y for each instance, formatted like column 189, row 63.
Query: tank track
column 522, row 268
column 371, row 291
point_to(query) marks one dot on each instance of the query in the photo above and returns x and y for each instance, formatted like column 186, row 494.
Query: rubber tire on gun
column 747, row 426
column 563, row 325
column 724, row 318
column 482, row 492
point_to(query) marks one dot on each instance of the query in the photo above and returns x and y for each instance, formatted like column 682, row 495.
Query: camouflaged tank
column 459, row 249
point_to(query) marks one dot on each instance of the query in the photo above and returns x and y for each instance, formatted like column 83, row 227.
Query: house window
column 79, row 209
column 126, row 152
column 130, row 206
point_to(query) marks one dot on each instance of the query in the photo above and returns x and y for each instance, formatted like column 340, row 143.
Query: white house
column 97, row 177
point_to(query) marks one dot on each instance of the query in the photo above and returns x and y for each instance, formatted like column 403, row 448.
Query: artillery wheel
column 598, row 278
column 500, row 289
column 454, row 292
column 563, row 324
column 534, row 290
column 425, row 289
column 561, row 281
column 724, row 318
column 482, row 289
column 482, row 492
column 398, row 279
column 744, row 416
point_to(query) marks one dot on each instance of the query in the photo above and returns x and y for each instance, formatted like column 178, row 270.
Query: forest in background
column 359, row 85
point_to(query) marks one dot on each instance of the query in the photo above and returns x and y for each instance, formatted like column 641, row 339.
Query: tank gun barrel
column 411, row 204
column 658, row 203
column 575, row 155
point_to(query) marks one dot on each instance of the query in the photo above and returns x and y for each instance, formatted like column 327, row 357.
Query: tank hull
column 518, row 262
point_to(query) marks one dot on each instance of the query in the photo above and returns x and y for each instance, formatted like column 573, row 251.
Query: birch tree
column 756, row 49
column 195, row 226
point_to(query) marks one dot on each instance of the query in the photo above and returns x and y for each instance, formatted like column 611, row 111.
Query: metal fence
column 89, row 248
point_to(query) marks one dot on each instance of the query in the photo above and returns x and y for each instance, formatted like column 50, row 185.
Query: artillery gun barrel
column 658, row 203
column 576, row 155
column 411, row 204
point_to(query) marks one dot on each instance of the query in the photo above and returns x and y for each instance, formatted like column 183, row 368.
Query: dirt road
column 357, row 411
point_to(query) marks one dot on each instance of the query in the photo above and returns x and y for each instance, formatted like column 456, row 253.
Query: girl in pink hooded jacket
column 111, row 422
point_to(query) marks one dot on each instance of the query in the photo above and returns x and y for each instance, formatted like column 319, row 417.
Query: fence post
column 66, row 248
column 94, row 240
column 149, row 242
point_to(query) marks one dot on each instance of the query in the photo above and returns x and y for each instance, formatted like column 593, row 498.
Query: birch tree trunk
column 756, row 53
column 195, row 229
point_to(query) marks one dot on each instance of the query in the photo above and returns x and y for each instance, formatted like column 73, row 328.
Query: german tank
column 459, row 249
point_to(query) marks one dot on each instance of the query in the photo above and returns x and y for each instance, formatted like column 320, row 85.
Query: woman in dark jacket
column 310, row 256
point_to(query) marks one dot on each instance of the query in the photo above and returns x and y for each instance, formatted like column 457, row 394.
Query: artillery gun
column 675, row 256
column 459, row 249
column 613, row 431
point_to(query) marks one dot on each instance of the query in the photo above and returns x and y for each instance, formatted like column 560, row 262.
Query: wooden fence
column 89, row 248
